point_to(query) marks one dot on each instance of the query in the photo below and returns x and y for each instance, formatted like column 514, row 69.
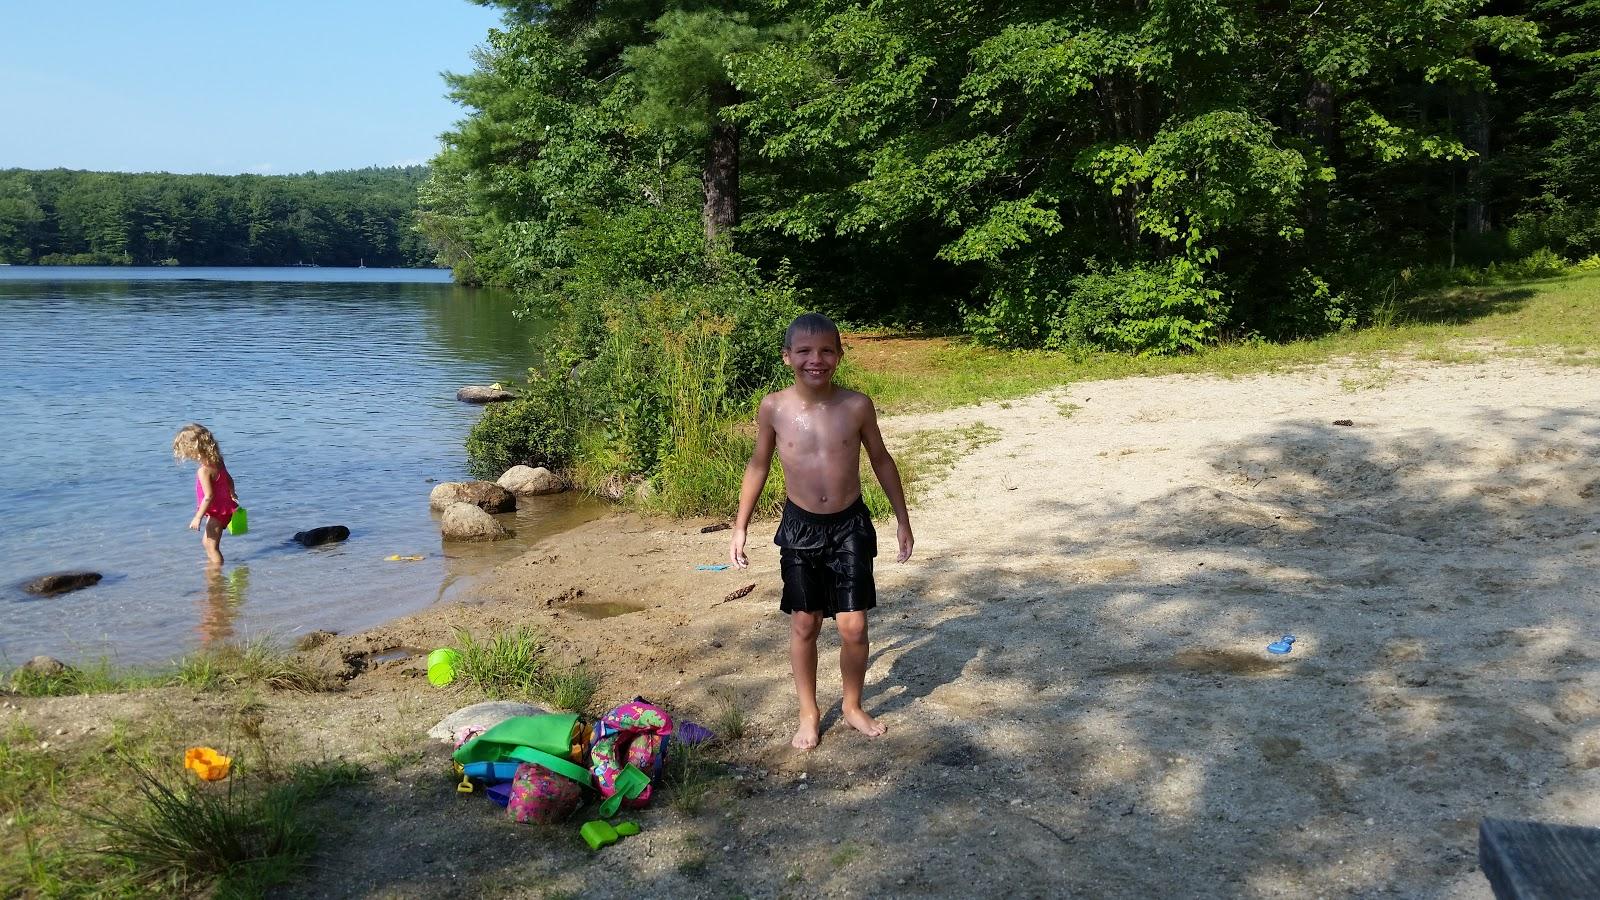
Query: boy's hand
column 906, row 542
column 736, row 549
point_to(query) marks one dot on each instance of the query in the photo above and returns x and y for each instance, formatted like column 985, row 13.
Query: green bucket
column 442, row 666
column 239, row 523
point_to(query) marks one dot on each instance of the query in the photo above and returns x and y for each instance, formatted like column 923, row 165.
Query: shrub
column 537, row 428
column 1147, row 308
column 649, row 382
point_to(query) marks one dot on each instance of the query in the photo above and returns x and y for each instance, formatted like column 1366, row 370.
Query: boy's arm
column 755, row 478
column 889, row 476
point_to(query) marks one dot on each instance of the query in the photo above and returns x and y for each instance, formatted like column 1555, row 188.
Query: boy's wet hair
column 811, row 323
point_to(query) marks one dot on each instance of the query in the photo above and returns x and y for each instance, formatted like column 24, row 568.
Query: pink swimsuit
column 222, row 505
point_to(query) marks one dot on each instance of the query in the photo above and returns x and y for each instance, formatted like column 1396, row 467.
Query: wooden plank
column 1539, row 861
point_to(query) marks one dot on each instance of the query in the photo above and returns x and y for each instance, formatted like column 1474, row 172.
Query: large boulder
column 530, row 481
column 477, row 393
column 466, row 522
column 486, row 715
column 61, row 583
column 485, row 495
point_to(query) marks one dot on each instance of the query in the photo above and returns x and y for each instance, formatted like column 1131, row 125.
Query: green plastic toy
column 239, row 523
column 631, row 782
column 544, row 740
column 442, row 666
column 598, row 833
column 601, row 833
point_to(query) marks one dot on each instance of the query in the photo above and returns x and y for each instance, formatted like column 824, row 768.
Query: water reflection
column 224, row 598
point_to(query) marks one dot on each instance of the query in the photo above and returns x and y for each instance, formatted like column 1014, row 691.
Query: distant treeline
column 61, row 217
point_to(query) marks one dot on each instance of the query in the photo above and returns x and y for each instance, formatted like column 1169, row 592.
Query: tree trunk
column 1318, row 125
column 1477, row 140
column 721, row 175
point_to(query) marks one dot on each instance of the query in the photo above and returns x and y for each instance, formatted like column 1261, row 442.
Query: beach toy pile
column 541, row 767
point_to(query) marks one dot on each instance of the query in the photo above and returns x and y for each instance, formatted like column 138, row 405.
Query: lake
column 332, row 394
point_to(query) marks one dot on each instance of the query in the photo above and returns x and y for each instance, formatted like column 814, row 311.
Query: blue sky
column 230, row 87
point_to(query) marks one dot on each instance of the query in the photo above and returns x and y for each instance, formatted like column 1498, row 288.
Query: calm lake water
column 332, row 393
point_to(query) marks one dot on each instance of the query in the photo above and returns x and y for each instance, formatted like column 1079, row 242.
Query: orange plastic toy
column 207, row 763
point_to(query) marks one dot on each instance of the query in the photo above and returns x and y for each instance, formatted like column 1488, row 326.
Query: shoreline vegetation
column 669, row 186
column 347, row 218
column 685, row 456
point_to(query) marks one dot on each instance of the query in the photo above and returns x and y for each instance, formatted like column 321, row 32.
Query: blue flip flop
column 1281, row 645
column 716, row 568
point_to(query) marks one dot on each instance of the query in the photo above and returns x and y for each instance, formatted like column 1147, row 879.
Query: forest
column 62, row 217
column 669, row 178
column 1144, row 175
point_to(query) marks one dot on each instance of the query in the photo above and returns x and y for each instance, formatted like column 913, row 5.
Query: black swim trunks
column 827, row 560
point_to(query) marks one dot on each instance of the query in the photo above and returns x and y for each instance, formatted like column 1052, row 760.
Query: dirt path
column 1072, row 669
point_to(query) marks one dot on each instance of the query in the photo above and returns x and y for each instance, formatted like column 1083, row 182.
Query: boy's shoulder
column 845, row 396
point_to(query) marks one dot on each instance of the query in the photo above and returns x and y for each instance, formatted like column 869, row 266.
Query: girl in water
column 215, row 500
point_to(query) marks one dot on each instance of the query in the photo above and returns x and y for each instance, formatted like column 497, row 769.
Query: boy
column 826, row 537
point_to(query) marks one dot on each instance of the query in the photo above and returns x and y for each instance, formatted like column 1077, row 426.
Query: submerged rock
column 327, row 534
column 477, row 393
column 486, row 495
column 466, row 522
column 532, row 481
column 61, row 583
column 488, row 714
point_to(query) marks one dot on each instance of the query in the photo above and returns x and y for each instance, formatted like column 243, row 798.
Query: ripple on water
column 334, row 405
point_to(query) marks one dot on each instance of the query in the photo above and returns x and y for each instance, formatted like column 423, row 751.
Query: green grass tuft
column 257, row 662
column 569, row 689
column 510, row 665
column 97, row 677
column 516, row 665
column 187, row 837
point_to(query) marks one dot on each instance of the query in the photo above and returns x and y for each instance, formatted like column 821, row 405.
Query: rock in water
column 526, row 480
column 61, row 583
column 327, row 534
column 477, row 393
column 488, row 714
column 485, row 495
column 466, row 522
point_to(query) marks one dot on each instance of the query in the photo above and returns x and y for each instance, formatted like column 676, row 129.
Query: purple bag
column 540, row 795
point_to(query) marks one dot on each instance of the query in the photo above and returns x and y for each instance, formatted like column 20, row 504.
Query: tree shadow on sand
column 1098, row 717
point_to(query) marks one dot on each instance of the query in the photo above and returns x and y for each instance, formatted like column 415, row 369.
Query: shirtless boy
column 826, row 537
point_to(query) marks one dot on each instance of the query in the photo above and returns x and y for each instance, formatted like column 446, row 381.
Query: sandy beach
column 1072, row 668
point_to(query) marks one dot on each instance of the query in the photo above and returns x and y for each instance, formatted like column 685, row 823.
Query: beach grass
column 517, row 665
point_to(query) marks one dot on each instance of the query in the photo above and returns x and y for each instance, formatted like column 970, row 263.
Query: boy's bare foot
column 806, row 736
column 867, row 725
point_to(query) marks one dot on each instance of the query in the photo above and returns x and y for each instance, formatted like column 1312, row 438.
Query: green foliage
column 61, row 217
column 1147, row 178
column 256, row 662
column 95, row 677
column 182, row 836
column 509, row 665
column 1143, row 308
column 539, row 428
column 516, row 664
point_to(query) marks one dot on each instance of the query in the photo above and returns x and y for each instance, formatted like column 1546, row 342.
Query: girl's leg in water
column 211, row 539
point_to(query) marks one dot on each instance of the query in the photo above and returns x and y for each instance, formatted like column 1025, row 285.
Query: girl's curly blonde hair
column 196, row 442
